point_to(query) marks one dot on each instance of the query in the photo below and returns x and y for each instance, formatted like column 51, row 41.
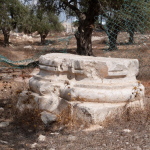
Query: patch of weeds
column 29, row 120
column 130, row 117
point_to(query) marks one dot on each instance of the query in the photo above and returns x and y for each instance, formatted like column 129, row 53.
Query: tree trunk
column 86, row 26
column 6, row 33
column 112, row 32
column 84, row 42
column 131, row 37
column 43, row 36
column 113, row 40
column 131, row 30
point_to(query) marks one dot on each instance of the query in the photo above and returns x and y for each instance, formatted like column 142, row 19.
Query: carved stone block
column 95, row 87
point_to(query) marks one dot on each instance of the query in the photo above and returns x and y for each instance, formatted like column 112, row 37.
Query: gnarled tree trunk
column 84, row 42
column 6, row 33
column 43, row 36
column 112, row 31
column 131, row 37
column 131, row 31
column 131, row 28
column 113, row 40
column 86, row 24
column 85, row 29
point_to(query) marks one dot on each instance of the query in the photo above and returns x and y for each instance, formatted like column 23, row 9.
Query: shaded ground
column 22, row 134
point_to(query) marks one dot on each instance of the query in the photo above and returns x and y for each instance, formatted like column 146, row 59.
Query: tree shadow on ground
column 63, row 50
column 126, row 43
column 17, row 138
column 46, row 43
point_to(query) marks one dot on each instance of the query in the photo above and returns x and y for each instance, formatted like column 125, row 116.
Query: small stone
column 4, row 142
column 110, row 132
column 93, row 128
column 30, row 131
column 138, row 148
column 1, row 109
column 33, row 145
column 127, row 130
column 72, row 138
column 4, row 124
column 48, row 117
column 104, row 145
column 28, row 47
column 55, row 133
column 41, row 138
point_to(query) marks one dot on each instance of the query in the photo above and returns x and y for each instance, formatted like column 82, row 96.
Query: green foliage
column 116, row 5
column 27, row 24
column 130, row 16
column 27, row 18
column 46, row 23
column 41, row 20
column 12, row 12
column 136, row 13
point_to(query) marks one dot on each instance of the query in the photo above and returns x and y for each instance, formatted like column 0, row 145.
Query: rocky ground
column 129, row 132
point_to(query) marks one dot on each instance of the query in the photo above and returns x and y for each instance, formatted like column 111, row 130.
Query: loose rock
column 41, row 138
column 34, row 145
column 1, row 109
column 4, row 124
column 71, row 138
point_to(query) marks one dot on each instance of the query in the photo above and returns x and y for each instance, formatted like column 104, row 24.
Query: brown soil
column 22, row 133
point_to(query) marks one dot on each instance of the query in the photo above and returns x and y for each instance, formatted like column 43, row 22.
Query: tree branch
column 73, row 7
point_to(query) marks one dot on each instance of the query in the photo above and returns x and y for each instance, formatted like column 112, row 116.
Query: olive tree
column 41, row 20
column 12, row 12
column 130, row 16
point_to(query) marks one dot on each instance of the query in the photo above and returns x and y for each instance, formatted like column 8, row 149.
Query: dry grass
column 28, row 120
column 130, row 116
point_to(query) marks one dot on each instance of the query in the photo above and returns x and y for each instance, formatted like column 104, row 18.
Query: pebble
column 41, row 138
column 55, row 133
column 127, row 130
column 4, row 142
column 28, row 47
column 127, row 143
column 138, row 148
column 93, row 128
column 1, row 109
column 109, row 131
column 4, row 124
column 33, row 145
column 71, row 138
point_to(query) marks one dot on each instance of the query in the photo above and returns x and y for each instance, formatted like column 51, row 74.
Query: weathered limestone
column 94, row 87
